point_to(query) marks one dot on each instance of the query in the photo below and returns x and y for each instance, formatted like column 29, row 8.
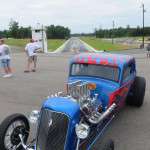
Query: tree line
column 60, row 32
column 19, row 32
column 122, row 32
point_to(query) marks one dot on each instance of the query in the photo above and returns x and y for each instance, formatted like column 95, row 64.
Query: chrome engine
column 90, row 106
column 81, row 92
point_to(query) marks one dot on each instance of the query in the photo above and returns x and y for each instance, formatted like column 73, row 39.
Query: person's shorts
column 5, row 63
column 32, row 58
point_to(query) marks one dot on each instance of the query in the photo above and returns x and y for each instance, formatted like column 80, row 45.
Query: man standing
column 5, row 58
column 30, row 50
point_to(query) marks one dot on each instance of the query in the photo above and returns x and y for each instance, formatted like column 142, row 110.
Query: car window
column 128, row 71
column 101, row 71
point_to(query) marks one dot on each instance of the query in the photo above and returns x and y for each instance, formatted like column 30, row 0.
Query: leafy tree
column 57, row 32
column 13, row 28
column 24, row 32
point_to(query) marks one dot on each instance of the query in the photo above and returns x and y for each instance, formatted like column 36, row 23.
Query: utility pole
column 143, row 12
column 113, row 24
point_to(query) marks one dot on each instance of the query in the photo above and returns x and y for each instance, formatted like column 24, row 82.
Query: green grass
column 100, row 44
column 17, row 42
column 53, row 44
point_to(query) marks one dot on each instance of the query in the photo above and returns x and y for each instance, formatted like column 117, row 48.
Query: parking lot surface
column 24, row 92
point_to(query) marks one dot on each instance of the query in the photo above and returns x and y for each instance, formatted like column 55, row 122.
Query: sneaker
column 33, row 70
column 10, row 75
column 7, row 76
column 26, row 71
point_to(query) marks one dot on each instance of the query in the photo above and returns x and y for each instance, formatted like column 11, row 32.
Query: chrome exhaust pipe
column 98, row 117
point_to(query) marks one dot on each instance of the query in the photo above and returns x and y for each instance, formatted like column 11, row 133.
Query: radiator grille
column 52, row 134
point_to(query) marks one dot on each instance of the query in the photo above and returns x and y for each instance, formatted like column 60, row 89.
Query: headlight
column 34, row 116
column 82, row 131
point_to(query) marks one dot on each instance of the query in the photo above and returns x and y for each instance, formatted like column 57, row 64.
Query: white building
column 39, row 34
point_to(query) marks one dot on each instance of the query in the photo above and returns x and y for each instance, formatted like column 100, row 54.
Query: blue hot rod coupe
column 99, row 84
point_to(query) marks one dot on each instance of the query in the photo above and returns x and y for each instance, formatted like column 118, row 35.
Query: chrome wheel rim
column 11, row 139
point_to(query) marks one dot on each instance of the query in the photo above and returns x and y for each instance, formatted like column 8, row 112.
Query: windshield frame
column 119, row 71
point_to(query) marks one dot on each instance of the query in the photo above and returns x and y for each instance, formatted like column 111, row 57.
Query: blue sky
column 78, row 15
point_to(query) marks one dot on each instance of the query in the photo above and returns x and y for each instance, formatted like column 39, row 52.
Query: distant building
column 39, row 34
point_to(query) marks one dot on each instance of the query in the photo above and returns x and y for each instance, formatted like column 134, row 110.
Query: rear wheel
column 136, row 98
column 10, row 129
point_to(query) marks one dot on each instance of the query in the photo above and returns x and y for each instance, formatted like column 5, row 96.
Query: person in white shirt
column 31, row 49
column 5, row 58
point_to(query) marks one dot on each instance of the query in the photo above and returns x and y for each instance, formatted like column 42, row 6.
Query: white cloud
column 79, row 15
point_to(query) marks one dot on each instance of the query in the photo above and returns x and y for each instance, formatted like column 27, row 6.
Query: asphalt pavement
column 75, row 45
column 24, row 92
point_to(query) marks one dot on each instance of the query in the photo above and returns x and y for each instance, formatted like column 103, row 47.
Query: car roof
column 103, row 58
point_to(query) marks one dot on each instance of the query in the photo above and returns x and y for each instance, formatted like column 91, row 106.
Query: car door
column 127, row 79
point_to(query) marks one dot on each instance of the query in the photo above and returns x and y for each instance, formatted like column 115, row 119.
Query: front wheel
column 10, row 129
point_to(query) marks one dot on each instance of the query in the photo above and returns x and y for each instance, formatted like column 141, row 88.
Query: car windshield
column 100, row 71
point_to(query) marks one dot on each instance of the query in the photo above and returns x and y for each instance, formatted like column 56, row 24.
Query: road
column 74, row 45
column 24, row 92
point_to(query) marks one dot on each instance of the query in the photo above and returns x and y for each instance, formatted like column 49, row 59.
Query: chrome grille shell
column 52, row 130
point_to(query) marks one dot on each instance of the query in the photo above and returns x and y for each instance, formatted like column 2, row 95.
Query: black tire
column 136, row 98
column 21, row 128
column 109, row 145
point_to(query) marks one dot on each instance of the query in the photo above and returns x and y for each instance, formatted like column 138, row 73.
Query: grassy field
column 100, row 44
column 17, row 42
column 53, row 44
